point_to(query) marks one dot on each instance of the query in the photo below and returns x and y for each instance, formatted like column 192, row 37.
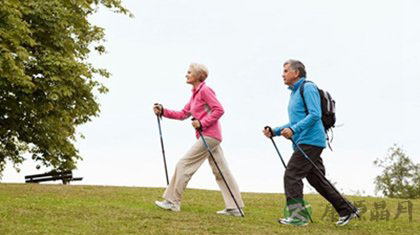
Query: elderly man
column 306, row 129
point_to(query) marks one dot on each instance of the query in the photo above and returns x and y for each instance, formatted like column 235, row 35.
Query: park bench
column 65, row 176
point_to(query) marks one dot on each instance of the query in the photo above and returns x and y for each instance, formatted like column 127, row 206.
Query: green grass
column 64, row 209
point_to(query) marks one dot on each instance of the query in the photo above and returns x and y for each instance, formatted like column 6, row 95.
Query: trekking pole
column 275, row 146
column 217, row 166
column 163, row 150
column 323, row 176
column 285, row 167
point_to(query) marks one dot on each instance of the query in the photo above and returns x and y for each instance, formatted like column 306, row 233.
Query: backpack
column 327, row 108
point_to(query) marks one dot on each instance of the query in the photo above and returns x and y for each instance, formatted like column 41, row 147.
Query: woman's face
column 191, row 78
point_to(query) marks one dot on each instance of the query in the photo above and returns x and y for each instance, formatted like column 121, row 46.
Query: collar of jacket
column 195, row 90
column 296, row 85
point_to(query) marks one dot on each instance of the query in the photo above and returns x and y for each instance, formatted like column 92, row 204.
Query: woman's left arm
column 216, row 109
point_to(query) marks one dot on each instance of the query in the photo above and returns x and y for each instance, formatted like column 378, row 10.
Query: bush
column 400, row 177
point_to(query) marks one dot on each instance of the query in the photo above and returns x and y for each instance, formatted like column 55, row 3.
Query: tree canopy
column 400, row 177
column 47, row 85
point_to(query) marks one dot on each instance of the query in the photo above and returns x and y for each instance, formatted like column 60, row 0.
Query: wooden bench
column 65, row 176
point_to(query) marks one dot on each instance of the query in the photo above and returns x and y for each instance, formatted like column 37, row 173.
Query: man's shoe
column 231, row 212
column 343, row 220
column 293, row 221
column 167, row 205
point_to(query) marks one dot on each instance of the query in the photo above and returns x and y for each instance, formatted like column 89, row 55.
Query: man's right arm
column 278, row 130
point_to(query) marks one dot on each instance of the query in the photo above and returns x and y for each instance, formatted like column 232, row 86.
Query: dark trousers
column 299, row 167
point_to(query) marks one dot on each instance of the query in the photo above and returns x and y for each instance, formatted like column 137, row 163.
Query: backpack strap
column 301, row 91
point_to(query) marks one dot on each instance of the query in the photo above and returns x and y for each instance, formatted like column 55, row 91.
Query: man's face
column 290, row 76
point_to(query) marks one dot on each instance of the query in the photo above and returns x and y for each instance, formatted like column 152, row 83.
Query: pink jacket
column 203, row 106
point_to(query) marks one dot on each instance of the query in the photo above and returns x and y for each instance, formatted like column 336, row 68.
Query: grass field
column 64, row 209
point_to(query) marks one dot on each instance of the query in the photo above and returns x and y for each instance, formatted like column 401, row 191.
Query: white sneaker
column 343, row 220
column 167, row 205
column 230, row 211
column 293, row 221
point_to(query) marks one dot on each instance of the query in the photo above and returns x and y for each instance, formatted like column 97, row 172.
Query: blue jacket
column 308, row 129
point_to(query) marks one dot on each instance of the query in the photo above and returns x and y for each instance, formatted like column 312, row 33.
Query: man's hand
column 158, row 109
column 268, row 132
column 287, row 133
column 196, row 124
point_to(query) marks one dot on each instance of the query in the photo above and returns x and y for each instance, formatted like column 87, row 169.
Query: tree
column 400, row 177
column 47, row 85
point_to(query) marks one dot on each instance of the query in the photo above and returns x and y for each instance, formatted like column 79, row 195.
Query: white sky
column 365, row 53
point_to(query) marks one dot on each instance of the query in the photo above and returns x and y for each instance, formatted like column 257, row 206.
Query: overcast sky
column 365, row 53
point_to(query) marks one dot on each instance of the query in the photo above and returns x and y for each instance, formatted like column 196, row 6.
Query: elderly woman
column 206, row 111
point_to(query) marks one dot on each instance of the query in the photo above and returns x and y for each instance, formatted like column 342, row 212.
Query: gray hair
column 296, row 65
column 200, row 71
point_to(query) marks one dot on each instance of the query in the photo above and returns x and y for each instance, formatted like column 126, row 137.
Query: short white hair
column 200, row 71
column 296, row 65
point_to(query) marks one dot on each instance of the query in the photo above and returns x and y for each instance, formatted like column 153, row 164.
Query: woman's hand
column 158, row 109
column 196, row 124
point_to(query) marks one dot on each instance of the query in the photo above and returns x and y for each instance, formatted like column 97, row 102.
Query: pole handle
column 271, row 130
column 200, row 129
